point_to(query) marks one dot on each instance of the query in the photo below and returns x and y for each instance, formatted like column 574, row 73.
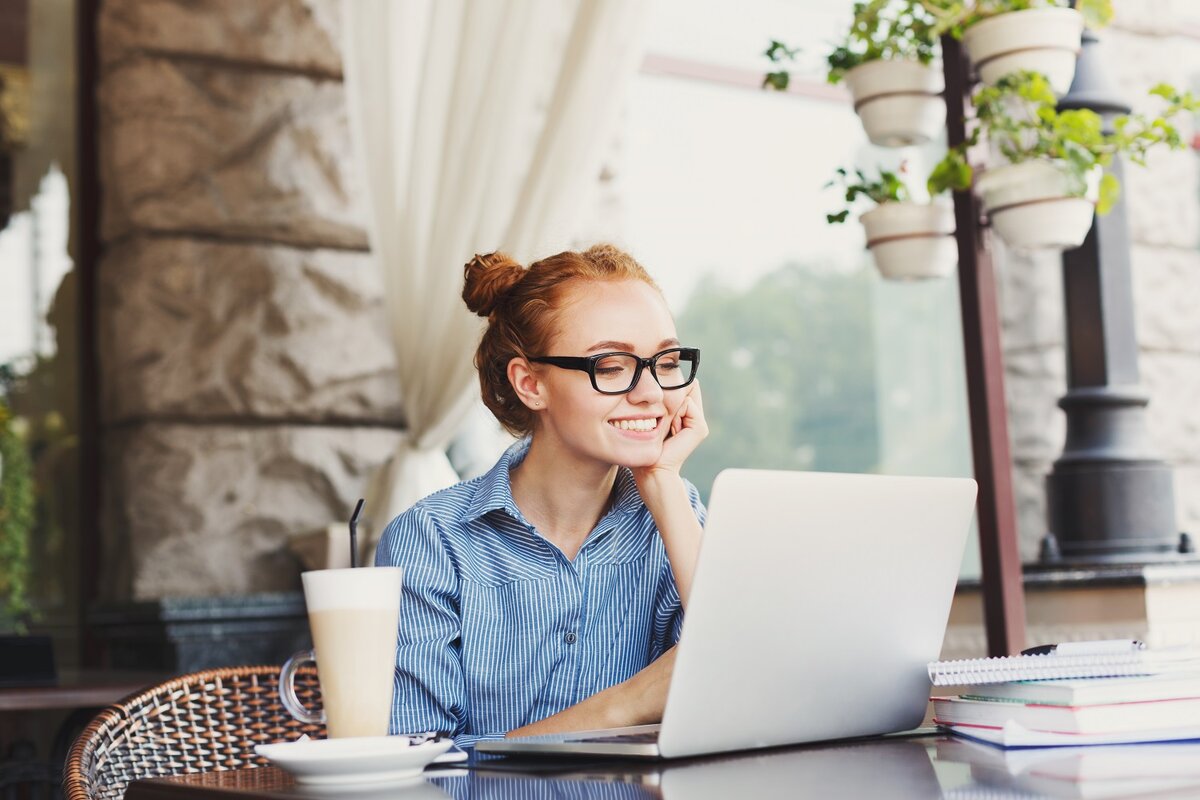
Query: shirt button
column 571, row 638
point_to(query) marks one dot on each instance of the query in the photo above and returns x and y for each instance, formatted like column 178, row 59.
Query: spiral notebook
column 1047, row 666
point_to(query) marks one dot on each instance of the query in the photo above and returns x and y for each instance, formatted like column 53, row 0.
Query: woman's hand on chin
column 687, row 430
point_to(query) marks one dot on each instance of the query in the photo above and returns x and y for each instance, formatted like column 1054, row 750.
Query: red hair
column 522, row 309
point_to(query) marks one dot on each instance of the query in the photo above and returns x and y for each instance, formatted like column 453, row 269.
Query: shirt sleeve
column 668, row 608
column 430, row 688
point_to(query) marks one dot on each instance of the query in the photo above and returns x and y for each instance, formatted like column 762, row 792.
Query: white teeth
column 635, row 424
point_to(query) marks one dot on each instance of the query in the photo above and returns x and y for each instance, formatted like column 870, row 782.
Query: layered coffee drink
column 353, row 615
column 356, row 662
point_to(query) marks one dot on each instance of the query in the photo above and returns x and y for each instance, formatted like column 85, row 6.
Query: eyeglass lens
column 615, row 373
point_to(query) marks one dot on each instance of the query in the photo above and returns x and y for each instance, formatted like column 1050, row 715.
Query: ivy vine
column 16, row 521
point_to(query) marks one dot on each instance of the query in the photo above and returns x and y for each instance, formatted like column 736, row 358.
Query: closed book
column 1091, row 691
column 1014, row 735
column 1107, row 718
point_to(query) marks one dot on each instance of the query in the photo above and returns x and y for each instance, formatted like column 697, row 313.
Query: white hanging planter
column 899, row 101
column 1044, row 40
column 1031, row 206
column 910, row 241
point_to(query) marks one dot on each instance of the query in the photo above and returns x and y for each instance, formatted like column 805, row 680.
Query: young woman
column 547, row 594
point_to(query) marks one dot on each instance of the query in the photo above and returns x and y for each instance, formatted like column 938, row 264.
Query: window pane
column 811, row 360
column 735, row 34
column 39, row 333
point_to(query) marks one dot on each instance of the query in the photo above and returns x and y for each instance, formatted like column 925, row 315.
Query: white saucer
column 362, row 761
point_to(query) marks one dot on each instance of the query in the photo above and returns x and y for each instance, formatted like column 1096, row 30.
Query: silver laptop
column 818, row 601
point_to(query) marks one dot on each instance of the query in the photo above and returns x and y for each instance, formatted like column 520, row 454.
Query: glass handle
column 287, row 688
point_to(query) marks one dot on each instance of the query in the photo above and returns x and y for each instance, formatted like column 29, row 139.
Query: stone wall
column 1150, row 41
column 247, row 387
column 247, row 383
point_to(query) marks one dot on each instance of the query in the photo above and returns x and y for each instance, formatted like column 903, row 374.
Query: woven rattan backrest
column 204, row 721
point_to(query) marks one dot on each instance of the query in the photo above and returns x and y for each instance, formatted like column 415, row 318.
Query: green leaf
column 834, row 219
column 778, row 51
column 1079, row 157
column 1096, row 13
column 1080, row 125
column 17, row 519
column 777, row 81
column 1110, row 191
column 1031, row 86
column 1164, row 90
column 951, row 173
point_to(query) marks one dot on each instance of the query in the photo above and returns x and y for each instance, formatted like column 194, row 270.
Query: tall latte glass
column 353, row 615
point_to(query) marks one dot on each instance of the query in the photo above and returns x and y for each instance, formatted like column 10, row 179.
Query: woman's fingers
column 697, row 398
column 691, row 411
column 677, row 420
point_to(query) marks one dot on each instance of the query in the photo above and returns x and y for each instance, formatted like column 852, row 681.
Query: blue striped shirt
column 499, row 629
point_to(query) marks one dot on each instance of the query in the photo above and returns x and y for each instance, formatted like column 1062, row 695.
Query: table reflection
column 928, row 766
column 1113, row 771
column 417, row 789
column 925, row 767
column 899, row 769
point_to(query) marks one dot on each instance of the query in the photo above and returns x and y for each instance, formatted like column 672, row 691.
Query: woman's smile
column 637, row 427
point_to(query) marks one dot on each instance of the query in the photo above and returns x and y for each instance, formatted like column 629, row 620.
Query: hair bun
column 486, row 279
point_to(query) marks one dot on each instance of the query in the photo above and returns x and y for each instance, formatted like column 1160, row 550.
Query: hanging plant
column 887, row 188
column 16, row 523
column 1055, row 158
column 777, row 53
column 887, row 60
column 908, row 240
column 1006, row 36
column 954, row 17
column 885, row 30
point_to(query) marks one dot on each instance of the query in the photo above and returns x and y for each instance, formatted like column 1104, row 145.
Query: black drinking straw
column 354, row 533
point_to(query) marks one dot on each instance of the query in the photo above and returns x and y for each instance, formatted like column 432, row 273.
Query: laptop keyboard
column 649, row 737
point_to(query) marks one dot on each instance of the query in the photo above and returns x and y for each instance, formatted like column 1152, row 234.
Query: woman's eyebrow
column 610, row 345
column 626, row 346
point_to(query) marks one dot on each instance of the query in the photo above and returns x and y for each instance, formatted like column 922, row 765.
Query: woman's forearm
column 667, row 498
column 640, row 700
column 601, row 710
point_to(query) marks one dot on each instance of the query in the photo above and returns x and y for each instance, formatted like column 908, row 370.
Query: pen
column 1099, row 647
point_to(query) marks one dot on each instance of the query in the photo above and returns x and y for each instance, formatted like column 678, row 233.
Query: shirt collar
column 628, row 500
column 495, row 488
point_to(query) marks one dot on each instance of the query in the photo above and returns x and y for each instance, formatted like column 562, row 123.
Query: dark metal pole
column 1109, row 498
column 1003, row 589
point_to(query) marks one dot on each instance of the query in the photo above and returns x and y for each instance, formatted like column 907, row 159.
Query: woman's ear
column 525, row 383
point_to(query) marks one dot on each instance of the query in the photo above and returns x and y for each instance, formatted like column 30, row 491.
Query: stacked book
column 1073, row 697
column 1087, row 772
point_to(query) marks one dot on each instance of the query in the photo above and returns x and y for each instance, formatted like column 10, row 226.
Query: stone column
column 247, row 381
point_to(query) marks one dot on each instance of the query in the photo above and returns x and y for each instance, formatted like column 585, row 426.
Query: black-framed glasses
column 618, row 373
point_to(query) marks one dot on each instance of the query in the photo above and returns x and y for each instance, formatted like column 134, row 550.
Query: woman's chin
column 645, row 455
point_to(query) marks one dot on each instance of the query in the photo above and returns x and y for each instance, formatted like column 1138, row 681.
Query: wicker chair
column 200, row 722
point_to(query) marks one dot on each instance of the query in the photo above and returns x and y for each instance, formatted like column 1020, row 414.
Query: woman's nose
column 646, row 389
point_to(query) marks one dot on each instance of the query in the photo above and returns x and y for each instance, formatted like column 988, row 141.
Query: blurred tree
column 788, row 373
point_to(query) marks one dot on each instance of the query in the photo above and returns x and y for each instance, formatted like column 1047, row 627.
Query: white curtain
column 480, row 125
